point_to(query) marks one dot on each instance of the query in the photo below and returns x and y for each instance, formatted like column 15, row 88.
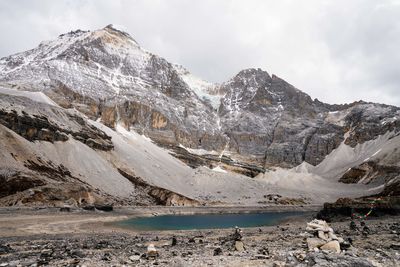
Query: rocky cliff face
column 49, row 123
column 267, row 117
column 254, row 117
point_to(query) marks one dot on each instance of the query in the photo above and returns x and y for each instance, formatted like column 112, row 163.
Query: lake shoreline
column 209, row 221
column 53, row 238
column 41, row 220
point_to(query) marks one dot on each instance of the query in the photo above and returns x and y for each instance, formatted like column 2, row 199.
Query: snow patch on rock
column 35, row 96
column 219, row 169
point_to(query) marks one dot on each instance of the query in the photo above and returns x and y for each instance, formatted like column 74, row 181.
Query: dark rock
column 106, row 257
column 346, row 207
column 104, row 207
column 263, row 251
column 102, row 244
column 65, row 209
column 237, row 235
column 4, row 249
column 174, row 241
column 395, row 246
column 345, row 245
column 89, row 207
column 353, row 226
column 217, row 251
column 77, row 253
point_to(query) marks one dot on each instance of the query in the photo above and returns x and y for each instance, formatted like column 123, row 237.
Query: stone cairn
column 324, row 238
column 152, row 252
column 237, row 237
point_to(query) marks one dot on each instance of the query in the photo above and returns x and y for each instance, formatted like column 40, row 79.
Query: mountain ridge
column 110, row 77
column 93, row 117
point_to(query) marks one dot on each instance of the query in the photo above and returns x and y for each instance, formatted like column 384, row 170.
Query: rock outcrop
column 374, row 206
column 160, row 195
column 49, row 123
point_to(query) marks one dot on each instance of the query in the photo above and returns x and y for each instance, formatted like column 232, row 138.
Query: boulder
column 152, row 251
column 315, row 243
column 332, row 246
column 332, row 236
column 318, row 225
column 217, row 251
column 174, row 241
column 239, row 246
column 323, row 236
column 104, row 207
column 278, row 264
column 134, row 258
column 65, row 209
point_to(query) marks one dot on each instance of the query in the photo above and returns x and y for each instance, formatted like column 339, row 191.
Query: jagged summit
column 117, row 28
column 252, row 72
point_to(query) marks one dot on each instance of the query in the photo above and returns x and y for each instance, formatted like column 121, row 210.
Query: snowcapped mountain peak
column 106, row 74
column 252, row 72
column 109, row 67
column 118, row 28
column 117, row 35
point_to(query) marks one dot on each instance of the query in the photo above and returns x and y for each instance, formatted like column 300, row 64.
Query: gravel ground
column 50, row 238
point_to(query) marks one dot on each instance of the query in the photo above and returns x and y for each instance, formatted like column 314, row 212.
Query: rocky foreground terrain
column 79, row 239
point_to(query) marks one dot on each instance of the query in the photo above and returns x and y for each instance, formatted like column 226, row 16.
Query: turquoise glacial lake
column 207, row 221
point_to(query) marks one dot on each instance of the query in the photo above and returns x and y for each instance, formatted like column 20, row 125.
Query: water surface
column 207, row 221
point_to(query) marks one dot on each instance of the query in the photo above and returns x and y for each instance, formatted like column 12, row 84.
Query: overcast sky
column 336, row 51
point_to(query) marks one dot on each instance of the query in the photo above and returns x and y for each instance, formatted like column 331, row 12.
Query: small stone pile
column 152, row 252
column 324, row 237
column 237, row 237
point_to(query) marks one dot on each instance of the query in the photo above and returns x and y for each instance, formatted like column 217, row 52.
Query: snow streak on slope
column 35, row 96
column 202, row 88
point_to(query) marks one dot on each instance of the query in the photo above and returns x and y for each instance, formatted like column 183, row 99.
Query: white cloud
column 338, row 51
